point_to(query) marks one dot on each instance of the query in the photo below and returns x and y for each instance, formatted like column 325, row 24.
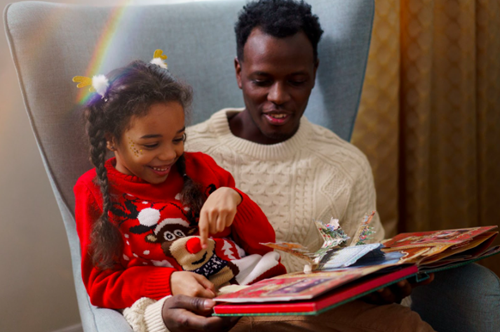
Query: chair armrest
column 105, row 320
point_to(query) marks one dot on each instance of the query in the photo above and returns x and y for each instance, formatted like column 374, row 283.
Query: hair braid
column 192, row 195
column 106, row 242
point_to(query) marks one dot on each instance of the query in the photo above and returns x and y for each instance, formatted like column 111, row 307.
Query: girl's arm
column 119, row 287
column 250, row 226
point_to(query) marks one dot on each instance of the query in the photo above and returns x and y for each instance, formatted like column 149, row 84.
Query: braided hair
column 132, row 90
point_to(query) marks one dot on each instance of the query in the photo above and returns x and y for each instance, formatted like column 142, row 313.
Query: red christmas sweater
column 154, row 225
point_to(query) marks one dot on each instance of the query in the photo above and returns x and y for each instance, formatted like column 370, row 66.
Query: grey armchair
column 199, row 41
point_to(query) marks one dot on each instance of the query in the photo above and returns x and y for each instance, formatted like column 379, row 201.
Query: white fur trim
column 100, row 83
column 253, row 266
column 159, row 62
column 170, row 221
column 163, row 263
column 148, row 217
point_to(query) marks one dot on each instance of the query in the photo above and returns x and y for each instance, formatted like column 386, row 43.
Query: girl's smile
column 161, row 170
column 152, row 143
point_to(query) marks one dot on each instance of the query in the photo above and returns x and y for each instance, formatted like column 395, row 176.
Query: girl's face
column 152, row 143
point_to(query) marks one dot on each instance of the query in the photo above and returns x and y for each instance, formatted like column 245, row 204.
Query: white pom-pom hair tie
column 158, row 58
column 100, row 83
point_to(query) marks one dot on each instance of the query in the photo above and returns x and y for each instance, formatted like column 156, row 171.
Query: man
column 294, row 170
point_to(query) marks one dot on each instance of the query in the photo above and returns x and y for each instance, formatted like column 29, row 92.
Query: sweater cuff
column 244, row 200
column 153, row 318
column 157, row 284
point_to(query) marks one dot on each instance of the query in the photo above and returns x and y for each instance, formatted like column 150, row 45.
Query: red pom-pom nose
column 193, row 245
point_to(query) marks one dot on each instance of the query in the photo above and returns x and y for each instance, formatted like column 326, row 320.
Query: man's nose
column 278, row 93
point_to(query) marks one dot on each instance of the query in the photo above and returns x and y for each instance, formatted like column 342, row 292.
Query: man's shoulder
column 332, row 148
column 204, row 134
column 207, row 126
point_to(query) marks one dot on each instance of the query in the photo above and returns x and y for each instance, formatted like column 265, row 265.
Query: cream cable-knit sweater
column 315, row 175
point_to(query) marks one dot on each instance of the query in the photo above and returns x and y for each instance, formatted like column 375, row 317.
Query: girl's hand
column 191, row 284
column 218, row 212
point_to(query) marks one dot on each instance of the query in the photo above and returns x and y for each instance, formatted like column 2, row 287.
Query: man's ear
column 237, row 70
column 316, row 64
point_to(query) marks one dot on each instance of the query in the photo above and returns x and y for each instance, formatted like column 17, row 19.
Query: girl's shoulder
column 87, row 178
column 199, row 163
column 199, row 159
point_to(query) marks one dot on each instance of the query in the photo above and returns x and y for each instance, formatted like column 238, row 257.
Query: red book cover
column 289, row 290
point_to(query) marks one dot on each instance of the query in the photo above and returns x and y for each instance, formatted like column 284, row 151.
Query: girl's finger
column 213, row 222
column 230, row 218
column 204, row 293
column 206, row 284
column 203, row 227
column 221, row 223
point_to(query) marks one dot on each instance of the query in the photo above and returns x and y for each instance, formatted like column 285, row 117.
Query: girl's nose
column 167, row 154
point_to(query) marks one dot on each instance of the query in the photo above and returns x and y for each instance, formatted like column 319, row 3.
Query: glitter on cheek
column 136, row 152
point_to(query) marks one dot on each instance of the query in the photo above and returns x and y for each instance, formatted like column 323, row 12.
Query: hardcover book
column 337, row 273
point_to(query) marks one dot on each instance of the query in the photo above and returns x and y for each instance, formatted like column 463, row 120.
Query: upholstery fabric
column 199, row 41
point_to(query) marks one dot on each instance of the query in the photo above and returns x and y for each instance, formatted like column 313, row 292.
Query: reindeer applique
column 173, row 236
column 132, row 208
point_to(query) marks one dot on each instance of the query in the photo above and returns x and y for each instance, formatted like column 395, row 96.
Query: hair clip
column 158, row 58
column 98, row 83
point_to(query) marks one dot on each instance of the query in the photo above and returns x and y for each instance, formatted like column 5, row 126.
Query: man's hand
column 191, row 284
column 184, row 313
column 218, row 212
column 395, row 293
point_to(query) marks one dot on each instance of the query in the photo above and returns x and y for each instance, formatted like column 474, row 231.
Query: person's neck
column 242, row 126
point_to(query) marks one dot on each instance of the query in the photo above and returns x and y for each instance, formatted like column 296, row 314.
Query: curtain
column 429, row 118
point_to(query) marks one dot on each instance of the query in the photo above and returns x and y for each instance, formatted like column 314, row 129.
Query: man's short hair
column 278, row 18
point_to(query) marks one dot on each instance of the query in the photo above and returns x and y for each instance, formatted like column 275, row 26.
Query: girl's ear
column 110, row 142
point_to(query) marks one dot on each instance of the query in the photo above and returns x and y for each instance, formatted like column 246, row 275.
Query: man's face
column 276, row 77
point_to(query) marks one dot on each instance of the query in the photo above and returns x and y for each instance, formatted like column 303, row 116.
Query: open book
column 436, row 250
column 337, row 273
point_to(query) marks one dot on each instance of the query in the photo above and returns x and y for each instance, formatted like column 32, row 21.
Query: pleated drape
column 429, row 119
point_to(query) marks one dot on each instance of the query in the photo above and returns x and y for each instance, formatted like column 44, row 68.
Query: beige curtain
column 429, row 119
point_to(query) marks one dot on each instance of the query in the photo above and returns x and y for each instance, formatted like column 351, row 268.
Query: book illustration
column 411, row 255
column 435, row 248
column 294, row 249
column 350, row 255
column 334, row 239
column 296, row 286
column 434, row 238
column 482, row 240
column 372, row 256
column 364, row 232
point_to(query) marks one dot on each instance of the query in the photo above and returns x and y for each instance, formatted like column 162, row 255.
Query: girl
column 136, row 213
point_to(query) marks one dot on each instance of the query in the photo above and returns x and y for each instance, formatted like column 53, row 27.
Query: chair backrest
column 51, row 43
